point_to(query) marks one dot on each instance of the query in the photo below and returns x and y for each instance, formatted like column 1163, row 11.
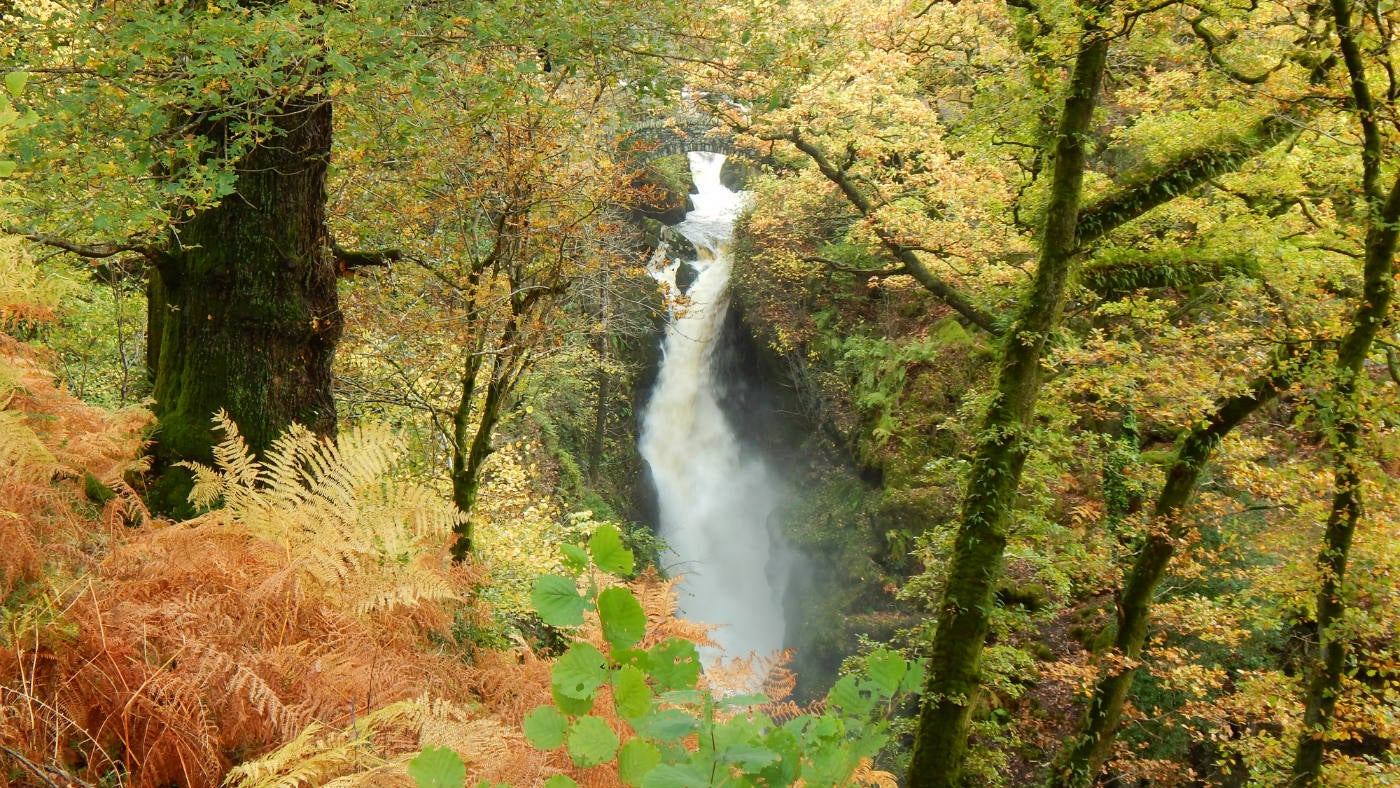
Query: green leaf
column 682, row 697
column 624, row 622
column 676, row 775
column 545, row 727
column 789, row 765
column 914, row 679
column 635, row 759
column 557, row 601
column 14, row 82
column 674, row 664
column 608, row 551
column 886, row 669
column 666, row 725
column 560, row 781
column 749, row 756
column 574, row 558
column 574, row 707
column 580, row 671
column 6, row 168
column 846, row 697
column 591, row 742
column 751, row 699
column 630, row 692
column 438, row 767
column 629, row 656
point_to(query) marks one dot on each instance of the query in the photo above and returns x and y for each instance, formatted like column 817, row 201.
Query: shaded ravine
column 715, row 499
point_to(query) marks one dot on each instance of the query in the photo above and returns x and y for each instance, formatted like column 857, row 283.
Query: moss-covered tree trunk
column 951, row 691
column 1328, row 666
column 243, row 308
column 1086, row 753
column 474, row 426
column 473, row 447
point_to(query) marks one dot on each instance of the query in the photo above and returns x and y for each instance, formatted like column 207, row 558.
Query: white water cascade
column 714, row 499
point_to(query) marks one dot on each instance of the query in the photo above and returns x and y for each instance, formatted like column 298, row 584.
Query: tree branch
column 349, row 260
column 916, row 268
column 1127, row 271
column 879, row 273
column 89, row 251
column 1188, row 171
column 1212, row 42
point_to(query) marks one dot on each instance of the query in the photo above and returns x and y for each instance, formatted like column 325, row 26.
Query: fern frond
column 359, row 536
column 232, row 454
column 313, row 757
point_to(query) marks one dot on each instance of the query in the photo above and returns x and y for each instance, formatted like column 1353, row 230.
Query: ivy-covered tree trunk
column 243, row 308
column 1086, row 753
column 1003, row 442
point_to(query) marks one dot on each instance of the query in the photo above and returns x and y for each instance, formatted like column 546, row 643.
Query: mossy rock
column 666, row 184
column 1032, row 597
column 95, row 490
column 735, row 173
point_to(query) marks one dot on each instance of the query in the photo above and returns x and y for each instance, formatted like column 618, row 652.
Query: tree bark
column 468, row 458
column 1002, row 445
column 1328, row 666
column 603, row 380
column 509, row 359
column 1086, row 753
column 1187, row 171
column 243, row 307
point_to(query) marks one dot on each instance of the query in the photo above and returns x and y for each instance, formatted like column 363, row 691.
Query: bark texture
column 1191, row 169
column 474, row 423
column 953, row 684
column 1329, row 668
column 243, row 309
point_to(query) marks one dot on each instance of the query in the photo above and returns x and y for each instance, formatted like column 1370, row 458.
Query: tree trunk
column 1329, row 666
column 598, row 440
column 1082, row 758
column 603, row 379
column 1003, row 442
column 469, row 456
column 243, row 312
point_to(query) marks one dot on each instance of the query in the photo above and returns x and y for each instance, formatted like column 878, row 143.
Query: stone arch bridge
column 654, row 139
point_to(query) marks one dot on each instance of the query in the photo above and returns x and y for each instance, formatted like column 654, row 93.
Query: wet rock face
column 685, row 276
column 734, row 174
column 678, row 247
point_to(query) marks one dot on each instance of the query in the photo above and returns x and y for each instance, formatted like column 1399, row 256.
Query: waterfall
column 714, row 498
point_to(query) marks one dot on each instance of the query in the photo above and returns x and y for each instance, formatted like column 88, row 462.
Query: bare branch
column 91, row 251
